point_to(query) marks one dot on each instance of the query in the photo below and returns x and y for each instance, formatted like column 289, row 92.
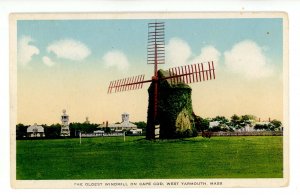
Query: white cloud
column 208, row 53
column 48, row 61
column 117, row 59
column 247, row 58
column 26, row 51
column 69, row 49
column 179, row 53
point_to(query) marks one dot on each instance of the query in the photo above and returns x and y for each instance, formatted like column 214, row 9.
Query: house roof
column 35, row 128
column 124, row 124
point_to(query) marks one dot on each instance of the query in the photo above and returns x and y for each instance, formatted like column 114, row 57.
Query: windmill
column 155, row 56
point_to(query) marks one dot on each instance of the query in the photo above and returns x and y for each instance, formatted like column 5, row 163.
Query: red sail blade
column 195, row 69
column 213, row 69
column 199, row 72
column 202, row 70
column 192, row 73
column 127, row 84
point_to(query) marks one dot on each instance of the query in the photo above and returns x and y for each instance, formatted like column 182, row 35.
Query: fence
column 101, row 134
column 220, row 133
column 248, row 133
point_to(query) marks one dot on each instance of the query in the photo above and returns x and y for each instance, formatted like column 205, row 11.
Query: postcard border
column 270, row 182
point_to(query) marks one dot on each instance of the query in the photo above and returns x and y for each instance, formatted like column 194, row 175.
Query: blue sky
column 131, row 35
column 68, row 64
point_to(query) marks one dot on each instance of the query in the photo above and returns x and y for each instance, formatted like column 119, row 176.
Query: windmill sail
column 156, row 43
column 192, row 73
column 126, row 84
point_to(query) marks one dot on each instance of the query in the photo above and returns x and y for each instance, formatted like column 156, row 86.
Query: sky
column 68, row 64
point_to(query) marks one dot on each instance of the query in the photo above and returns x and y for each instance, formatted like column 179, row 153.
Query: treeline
column 53, row 131
column 236, row 123
column 201, row 124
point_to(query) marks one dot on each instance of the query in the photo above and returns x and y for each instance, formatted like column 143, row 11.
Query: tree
column 247, row 119
column 74, row 129
column 274, row 125
column 21, row 131
column 221, row 119
column 141, row 125
column 52, row 131
column 201, row 124
column 107, row 130
column 235, row 122
column 82, row 127
column 261, row 127
column 223, row 124
column 235, row 119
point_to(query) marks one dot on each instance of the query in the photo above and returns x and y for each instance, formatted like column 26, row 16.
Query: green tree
column 261, row 127
column 247, row 120
column 107, row 130
column 21, row 131
column 52, row 131
column 141, row 125
column 201, row 124
column 82, row 127
column 274, row 125
column 235, row 122
column 221, row 119
column 74, row 129
column 223, row 124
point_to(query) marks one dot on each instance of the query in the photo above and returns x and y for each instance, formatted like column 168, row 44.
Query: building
column 65, row 130
column 124, row 125
column 35, row 131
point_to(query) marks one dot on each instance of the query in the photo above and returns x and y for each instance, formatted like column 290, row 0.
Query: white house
column 124, row 125
column 35, row 131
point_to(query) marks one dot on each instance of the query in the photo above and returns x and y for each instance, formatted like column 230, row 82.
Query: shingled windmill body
column 174, row 76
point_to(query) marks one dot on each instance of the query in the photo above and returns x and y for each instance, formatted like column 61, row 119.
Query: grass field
column 111, row 158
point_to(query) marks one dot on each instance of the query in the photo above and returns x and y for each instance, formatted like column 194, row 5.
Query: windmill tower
column 197, row 72
column 65, row 130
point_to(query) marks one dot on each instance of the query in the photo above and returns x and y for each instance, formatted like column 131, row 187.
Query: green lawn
column 111, row 158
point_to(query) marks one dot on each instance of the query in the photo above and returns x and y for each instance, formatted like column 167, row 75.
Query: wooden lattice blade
column 197, row 72
column 156, row 43
column 126, row 84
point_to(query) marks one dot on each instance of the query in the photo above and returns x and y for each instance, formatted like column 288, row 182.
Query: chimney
column 106, row 124
column 269, row 119
column 258, row 119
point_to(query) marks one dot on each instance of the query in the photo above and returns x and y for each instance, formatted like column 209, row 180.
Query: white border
column 253, row 182
column 291, row 7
